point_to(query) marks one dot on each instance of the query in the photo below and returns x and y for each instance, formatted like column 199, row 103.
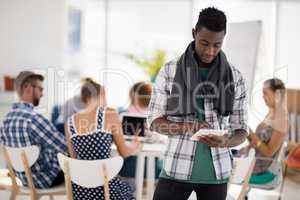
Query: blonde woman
column 271, row 132
column 90, row 134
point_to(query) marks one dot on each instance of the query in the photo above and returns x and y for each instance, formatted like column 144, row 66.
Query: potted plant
column 152, row 65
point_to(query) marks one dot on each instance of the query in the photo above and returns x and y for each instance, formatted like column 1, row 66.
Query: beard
column 36, row 101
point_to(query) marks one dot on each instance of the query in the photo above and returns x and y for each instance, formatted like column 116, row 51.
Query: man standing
column 22, row 126
column 200, row 89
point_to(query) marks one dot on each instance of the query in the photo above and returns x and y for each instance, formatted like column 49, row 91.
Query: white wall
column 31, row 34
column 140, row 28
column 287, row 62
column 134, row 26
column 32, row 37
column 91, row 53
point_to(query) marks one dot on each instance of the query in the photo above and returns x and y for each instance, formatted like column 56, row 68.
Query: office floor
column 291, row 185
column 290, row 190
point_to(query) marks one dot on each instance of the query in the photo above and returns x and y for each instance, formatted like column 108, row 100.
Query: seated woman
column 270, row 133
column 89, row 135
column 139, row 95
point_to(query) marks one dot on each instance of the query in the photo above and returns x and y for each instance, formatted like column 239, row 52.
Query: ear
column 194, row 33
column 27, row 88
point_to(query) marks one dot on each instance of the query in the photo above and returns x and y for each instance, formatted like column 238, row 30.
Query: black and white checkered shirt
column 180, row 152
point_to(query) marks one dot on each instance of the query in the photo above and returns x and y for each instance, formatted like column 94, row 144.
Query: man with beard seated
column 23, row 126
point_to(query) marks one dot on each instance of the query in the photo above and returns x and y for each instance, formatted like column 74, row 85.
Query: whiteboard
column 241, row 47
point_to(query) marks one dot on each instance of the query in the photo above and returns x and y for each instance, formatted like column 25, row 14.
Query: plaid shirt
column 180, row 153
column 22, row 127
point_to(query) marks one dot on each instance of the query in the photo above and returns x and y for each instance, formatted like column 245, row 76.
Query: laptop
column 131, row 123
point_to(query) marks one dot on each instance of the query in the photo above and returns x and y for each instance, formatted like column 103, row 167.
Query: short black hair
column 212, row 19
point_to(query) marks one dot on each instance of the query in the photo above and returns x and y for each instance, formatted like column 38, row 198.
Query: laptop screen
column 132, row 123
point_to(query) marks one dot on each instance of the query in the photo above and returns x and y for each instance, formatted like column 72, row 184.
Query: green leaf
column 151, row 66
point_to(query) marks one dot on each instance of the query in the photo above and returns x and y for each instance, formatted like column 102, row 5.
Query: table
column 149, row 151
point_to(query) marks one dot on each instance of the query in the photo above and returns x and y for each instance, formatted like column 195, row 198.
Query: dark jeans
column 175, row 190
column 59, row 179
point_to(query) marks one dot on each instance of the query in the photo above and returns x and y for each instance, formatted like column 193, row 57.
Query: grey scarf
column 188, row 85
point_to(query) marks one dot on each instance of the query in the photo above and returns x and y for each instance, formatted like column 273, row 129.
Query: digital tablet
column 131, row 123
column 203, row 132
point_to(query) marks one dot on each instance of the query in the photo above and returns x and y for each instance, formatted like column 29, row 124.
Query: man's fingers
column 215, row 138
column 204, row 125
column 209, row 141
column 205, row 140
column 213, row 142
column 202, row 139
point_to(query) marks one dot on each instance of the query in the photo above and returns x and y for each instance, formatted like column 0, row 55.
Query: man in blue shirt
column 22, row 126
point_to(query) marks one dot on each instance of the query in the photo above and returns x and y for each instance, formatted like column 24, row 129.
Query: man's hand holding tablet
column 211, row 137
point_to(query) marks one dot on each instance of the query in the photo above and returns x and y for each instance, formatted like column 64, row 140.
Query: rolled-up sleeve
column 239, row 117
column 158, row 102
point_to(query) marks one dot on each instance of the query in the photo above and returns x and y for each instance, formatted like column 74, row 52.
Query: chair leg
column 34, row 196
column 13, row 195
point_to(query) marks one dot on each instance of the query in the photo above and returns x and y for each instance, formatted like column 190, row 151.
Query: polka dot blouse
column 93, row 146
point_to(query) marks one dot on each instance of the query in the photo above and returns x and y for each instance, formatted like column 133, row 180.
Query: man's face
column 207, row 44
column 37, row 92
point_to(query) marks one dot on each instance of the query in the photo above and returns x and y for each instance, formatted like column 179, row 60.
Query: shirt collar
column 23, row 105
